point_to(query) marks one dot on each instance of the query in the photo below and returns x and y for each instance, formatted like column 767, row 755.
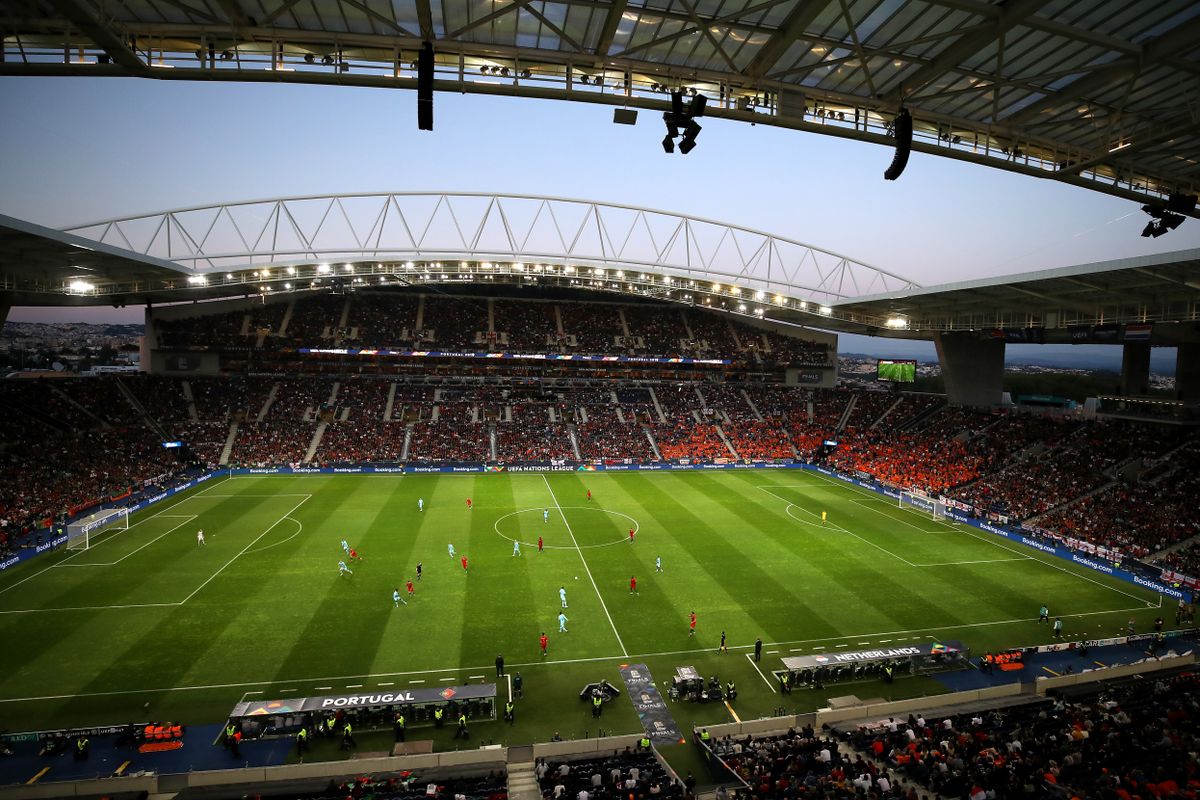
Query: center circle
column 555, row 512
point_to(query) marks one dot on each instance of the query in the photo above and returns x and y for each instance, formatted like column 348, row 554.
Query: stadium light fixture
column 81, row 286
column 323, row 269
column 349, row 268
column 291, row 270
column 826, row 311
column 197, row 280
column 287, row 285
column 897, row 323
column 779, row 299
column 228, row 276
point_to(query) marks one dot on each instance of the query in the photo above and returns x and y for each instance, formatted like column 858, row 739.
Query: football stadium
column 462, row 494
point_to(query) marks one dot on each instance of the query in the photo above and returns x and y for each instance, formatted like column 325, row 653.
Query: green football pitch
column 148, row 624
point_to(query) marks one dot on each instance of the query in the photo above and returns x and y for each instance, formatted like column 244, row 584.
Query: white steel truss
column 463, row 233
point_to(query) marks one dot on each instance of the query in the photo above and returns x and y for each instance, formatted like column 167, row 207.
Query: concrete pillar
column 1135, row 369
column 1187, row 371
column 972, row 368
column 5, row 307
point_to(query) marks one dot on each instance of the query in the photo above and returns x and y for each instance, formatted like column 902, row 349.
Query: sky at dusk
column 80, row 150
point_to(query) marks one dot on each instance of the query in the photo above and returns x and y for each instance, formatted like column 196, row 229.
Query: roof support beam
column 609, row 31
column 800, row 18
column 1156, row 50
column 425, row 20
column 1012, row 14
column 101, row 34
column 1140, row 142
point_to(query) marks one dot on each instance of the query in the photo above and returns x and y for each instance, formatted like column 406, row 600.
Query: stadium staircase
column 522, row 782
column 391, row 403
column 100, row 423
column 287, row 317
column 193, row 415
column 142, row 412
column 753, row 407
column 408, row 431
column 737, row 340
column 653, row 444
column 887, row 413
column 918, row 420
column 728, row 444
column 266, row 406
column 228, row 448
column 573, row 435
column 846, row 414
column 661, row 416
column 316, row 442
column 1098, row 490
column 492, row 442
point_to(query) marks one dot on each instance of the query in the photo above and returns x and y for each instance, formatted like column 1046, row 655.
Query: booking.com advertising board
column 1089, row 561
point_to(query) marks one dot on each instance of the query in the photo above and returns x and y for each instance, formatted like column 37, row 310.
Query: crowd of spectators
column 1132, row 740
column 530, row 436
column 412, row 786
column 455, row 321
column 775, row 349
column 453, row 436
column 530, row 327
column 684, row 439
column 711, row 336
column 315, row 320
column 656, row 331
column 725, row 401
column 1141, row 518
column 282, row 441
column 230, row 399
column 623, row 776
column 1081, row 464
column 160, row 396
column 361, row 439
column 382, row 320
column 301, row 400
column 594, row 326
column 755, row 439
column 604, row 437
column 362, row 399
column 798, row 764
column 237, row 329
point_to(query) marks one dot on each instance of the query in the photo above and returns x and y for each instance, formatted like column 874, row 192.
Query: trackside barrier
column 585, row 748
column 901, row 708
column 94, row 788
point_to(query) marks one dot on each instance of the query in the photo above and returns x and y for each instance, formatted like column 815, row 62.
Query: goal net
column 917, row 501
column 81, row 532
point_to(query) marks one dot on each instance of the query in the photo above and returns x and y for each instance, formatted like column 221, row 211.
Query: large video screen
column 900, row 371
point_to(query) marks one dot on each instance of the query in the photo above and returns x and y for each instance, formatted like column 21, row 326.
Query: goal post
column 81, row 532
column 918, row 501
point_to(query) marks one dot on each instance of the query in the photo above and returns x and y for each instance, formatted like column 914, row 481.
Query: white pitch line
column 388, row 683
column 836, row 527
column 186, row 520
column 586, row 569
column 322, row 688
column 445, row 679
column 354, row 686
column 981, row 561
column 205, row 687
column 772, row 652
column 770, row 685
column 474, row 677
column 90, row 608
column 247, row 547
column 796, row 650
column 841, row 645
column 139, row 522
column 990, row 540
column 884, row 641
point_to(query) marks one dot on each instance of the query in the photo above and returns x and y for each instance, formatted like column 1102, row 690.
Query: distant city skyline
column 77, row 150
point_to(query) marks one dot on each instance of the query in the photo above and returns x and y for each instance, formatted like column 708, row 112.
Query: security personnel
column 887, row 673
column 302, row 741
column 705, row 736
column 438, row 716
column 81, row 748
column 596, row 703
column 787, row 682
column 230, row 729
column 348, row 736
column 330, row 725
column 730, row 691
column 400, row 725
column 644, row 743
column 509, row 710
column 462, row 727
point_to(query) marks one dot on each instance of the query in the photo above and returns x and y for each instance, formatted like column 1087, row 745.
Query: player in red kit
column 692, row 625
column 543, row 641
column 633, row 584
column 631, row 535
column 589, row 494
column 411, row 590
column 464, row 563
column 469, row 504
column 539, row 544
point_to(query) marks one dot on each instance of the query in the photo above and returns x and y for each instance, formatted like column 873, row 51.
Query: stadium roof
column 39, row 264
column 1095, row 93
column 1156, row 288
